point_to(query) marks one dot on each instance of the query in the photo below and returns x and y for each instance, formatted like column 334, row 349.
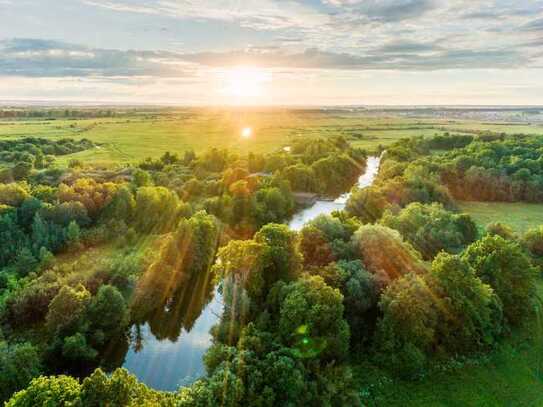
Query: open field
column 511, row 375
column 520, row 216
column 132, row 138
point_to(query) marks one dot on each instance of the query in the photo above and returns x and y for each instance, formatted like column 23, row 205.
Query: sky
column 273, row 52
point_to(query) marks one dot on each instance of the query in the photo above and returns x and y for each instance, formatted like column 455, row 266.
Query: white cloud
column 257, row 14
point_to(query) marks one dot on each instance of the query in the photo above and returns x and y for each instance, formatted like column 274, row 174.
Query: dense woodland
column 399, row 279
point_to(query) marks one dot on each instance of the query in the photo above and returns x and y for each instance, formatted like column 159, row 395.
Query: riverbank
column 324, row 206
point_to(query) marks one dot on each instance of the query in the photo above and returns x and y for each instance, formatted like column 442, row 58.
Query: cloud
column 43, row 58
column 40, row 58
column 256, row 14
column 534, row 25
column 392, row 56
column 387, row 10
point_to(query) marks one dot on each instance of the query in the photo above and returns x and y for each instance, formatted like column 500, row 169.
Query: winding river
column 166, row 351
column 326, row 207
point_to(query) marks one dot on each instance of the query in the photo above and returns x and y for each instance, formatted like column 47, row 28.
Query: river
column 326, row 207
column 166, row 351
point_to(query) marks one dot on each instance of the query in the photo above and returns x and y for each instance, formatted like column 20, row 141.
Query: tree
column 311, row 318
column 119, row 389
column 93, row 195
column 406, row 331
column 108, row 311
column 19, row 363
column 383, row 251
column 156, row 210
column 21, row 170
column 187, row 253
column 141, row 178
column 500, row 229
column 12, row 239
column 121, row 207
column 48, row 391
column 14, row 194
column 66, row 309
column 533, row 241
column 361, row 291
column 431, row 228
column 25, row 262
column 301, row 178
column 471, row 313
column 507, row 269
column 75, row 348
column 272, row 205
column 73, row 233
column 316, row 250
column 367, row 204
column 283, row 260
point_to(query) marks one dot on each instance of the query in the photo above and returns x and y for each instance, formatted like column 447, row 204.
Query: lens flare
column 247, row 132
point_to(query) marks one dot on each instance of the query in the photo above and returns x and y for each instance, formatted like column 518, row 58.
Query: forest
column 400, row 279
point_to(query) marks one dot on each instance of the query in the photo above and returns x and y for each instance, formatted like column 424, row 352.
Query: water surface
column 322, row 207
column 166, row 350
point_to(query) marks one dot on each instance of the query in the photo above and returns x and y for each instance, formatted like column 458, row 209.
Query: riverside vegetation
column 398, row 289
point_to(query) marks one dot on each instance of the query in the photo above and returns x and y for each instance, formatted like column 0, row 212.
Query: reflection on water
column 327, row 207
column 166, row 350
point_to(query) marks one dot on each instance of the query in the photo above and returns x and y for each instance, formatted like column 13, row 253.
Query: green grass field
column 520, row 216
column 134, row 137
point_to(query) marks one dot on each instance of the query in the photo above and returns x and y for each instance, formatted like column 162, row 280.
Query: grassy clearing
column 133, row 138
column 509, row 128
column 520, row 216
column 512, row 376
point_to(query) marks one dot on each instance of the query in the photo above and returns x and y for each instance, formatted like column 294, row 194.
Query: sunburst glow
column 247, row 132
column 245, row 82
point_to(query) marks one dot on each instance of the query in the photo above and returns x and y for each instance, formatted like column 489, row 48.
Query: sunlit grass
column 132, row 138
column 520, row 216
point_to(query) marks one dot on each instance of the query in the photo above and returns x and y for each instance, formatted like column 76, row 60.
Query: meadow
column 519, row 216
column 133, row 137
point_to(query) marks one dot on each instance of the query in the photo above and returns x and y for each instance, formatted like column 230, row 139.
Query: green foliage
column 67, row 308
column 75, row 348
column 367, row 204
column 14, row 194
column 283, row 260
column 533, row 241
column 29, row 303
column 507, row 269
column 272, row 205
column 108, row 311
column 25, row 262
column 141, row 178
column 406, row 330
column 155, row 210
column 73, row 233
column 48, row 391
column 188, row 252
column 431, row 229
column 384, row 253
column 471, row 313
column 21, row 170
column 500, row 229
column 19, row 363
column 311, row 318
column 315, row 248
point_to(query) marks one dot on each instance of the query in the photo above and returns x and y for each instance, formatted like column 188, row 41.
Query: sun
column 247, row 132
column 245, row 83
